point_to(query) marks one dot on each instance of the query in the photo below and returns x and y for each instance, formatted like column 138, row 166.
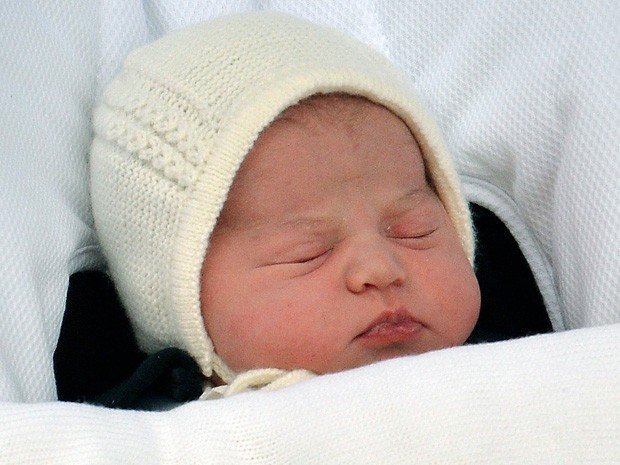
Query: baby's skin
column 333, row 250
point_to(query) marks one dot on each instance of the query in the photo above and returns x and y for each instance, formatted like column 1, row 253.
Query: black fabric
column 170, row 373
column 512, row 305
column 96, row 348
column 97, row 359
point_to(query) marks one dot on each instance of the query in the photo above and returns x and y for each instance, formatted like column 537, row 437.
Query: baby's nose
column 374, row 264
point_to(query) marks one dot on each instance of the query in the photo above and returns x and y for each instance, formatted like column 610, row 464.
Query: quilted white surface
column 528, row 94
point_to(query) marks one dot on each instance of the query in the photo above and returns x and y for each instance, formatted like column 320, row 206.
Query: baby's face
column 332, row 250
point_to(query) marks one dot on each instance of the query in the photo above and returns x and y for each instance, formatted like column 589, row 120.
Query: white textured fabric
column 558, row 405
column 47, row 77
column 175, row 125
column 528, row 95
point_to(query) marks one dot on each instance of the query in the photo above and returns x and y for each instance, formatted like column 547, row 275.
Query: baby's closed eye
column 299, row 254
column 414, row 230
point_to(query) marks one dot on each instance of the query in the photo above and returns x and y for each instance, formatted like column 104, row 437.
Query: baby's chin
column 389, row 352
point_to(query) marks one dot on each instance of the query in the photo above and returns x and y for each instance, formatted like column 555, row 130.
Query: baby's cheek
column 287, row 337
column 252, row 338
column 468, row 310
column 231, row 333
column 454, row 290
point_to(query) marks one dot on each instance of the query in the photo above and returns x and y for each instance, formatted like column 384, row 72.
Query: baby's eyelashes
column 414, row 228
column 411, row 234
column 416, row 241
column 305, row 258
column 296, row 253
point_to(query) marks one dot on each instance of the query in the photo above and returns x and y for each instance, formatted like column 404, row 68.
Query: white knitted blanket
column 528, row 94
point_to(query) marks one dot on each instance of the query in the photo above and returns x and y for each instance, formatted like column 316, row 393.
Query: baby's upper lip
column 389, row 317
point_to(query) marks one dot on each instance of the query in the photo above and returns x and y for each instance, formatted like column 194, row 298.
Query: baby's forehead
column 327, row 130
column 338, row 108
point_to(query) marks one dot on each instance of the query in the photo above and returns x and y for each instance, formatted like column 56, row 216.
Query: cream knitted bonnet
column 174, row 127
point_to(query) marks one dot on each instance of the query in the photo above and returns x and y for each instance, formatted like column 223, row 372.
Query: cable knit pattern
column 156, row 125
column 176, row 124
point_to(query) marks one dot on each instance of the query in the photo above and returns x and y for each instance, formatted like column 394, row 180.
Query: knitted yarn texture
column 173, row 129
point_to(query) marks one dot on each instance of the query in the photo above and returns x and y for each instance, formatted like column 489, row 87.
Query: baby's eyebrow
column 309, row 223
column 410, row 198
column 313, row 224
column 319, row 223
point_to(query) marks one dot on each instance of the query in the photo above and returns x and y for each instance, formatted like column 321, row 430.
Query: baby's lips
column 390, row 327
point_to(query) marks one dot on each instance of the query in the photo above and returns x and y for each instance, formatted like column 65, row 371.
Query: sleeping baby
column 272, row 199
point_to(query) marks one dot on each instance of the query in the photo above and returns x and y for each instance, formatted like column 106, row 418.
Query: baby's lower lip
column 390, row 332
